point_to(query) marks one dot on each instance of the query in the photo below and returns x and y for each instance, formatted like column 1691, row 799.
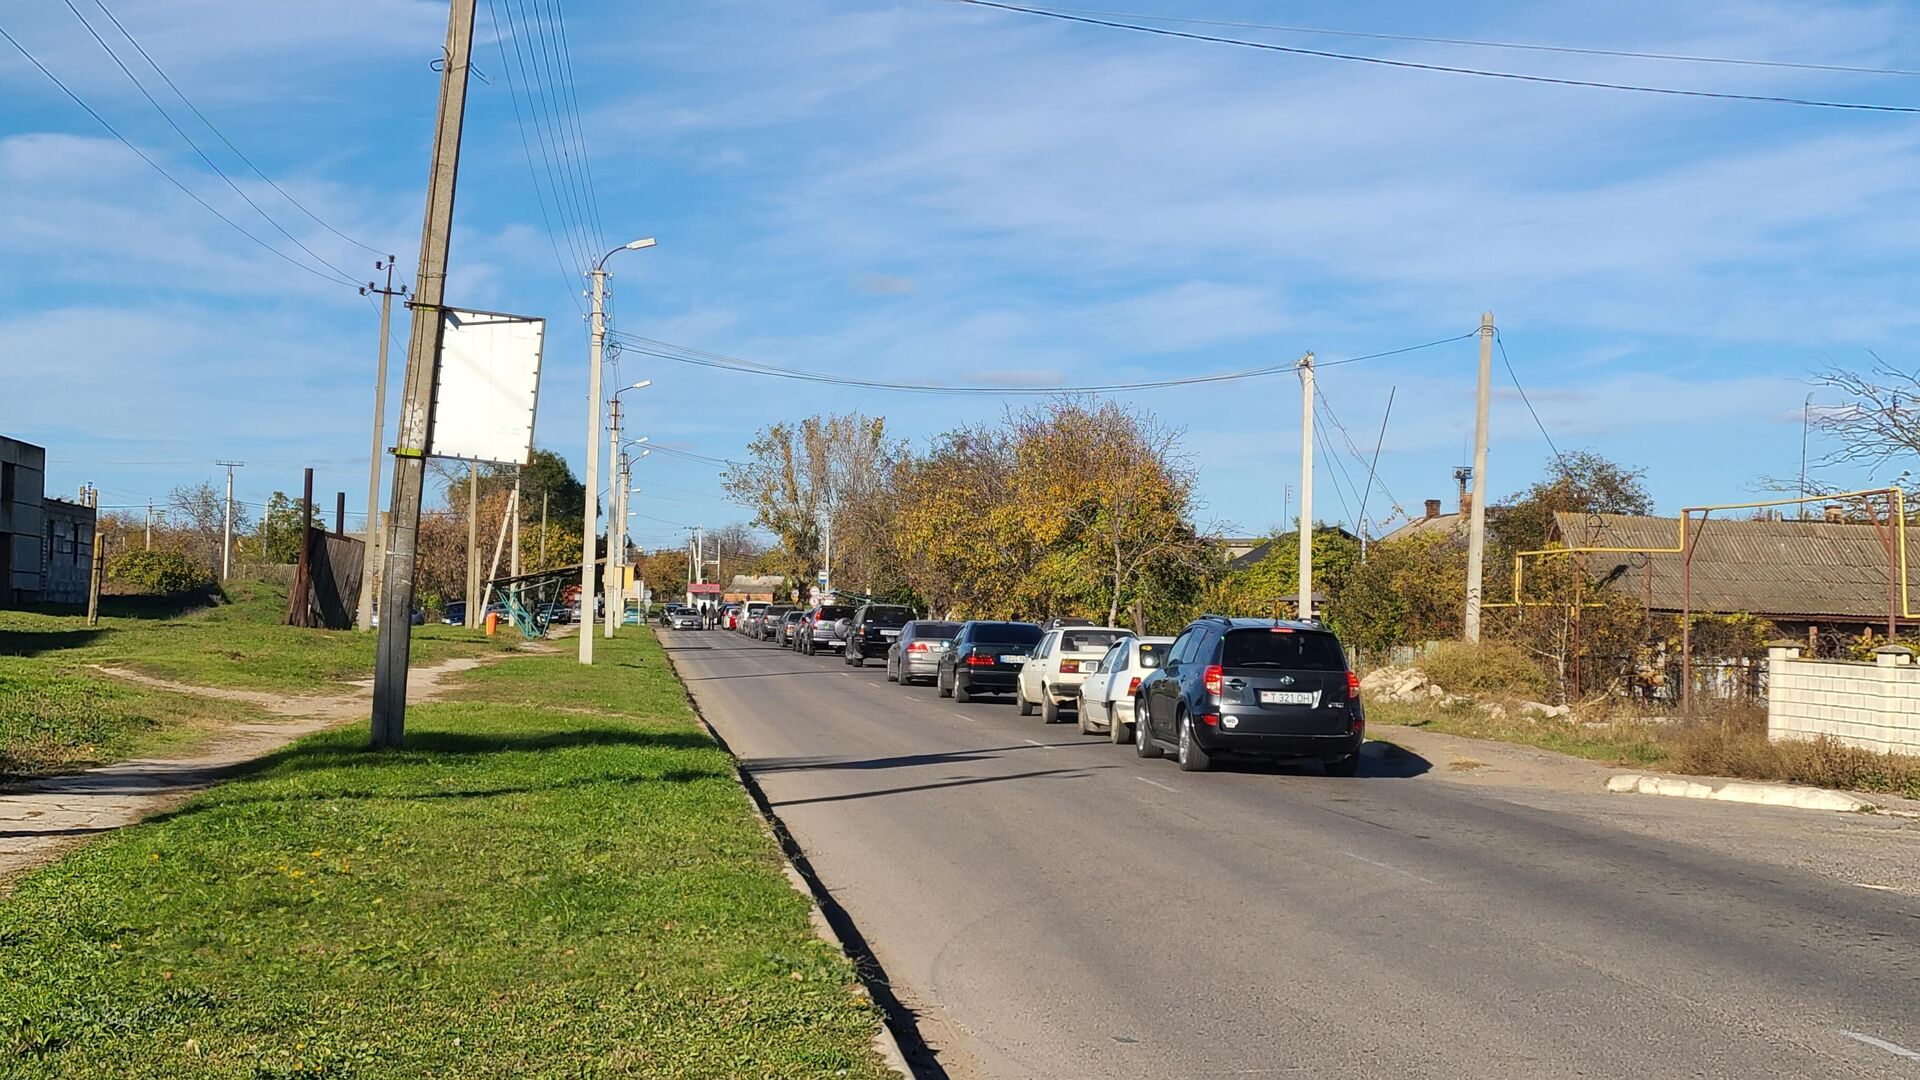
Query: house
column 1435, row 523
column 748, row 587
column 46, row 545
column 1826, row 573
column 1258, row 552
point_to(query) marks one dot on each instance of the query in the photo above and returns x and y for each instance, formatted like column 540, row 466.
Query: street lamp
column 588, row 524
column 616, row 553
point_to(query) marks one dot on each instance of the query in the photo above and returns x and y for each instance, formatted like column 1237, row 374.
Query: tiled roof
column 1795, row 569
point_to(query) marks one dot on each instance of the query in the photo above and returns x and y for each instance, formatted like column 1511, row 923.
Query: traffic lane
column 1509, row 939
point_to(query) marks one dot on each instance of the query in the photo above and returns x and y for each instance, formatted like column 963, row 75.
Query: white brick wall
column 1873, row 706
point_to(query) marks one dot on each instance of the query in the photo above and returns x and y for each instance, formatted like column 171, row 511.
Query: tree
column 196, row 512
column 1582, row 482
column 800, row 476
column 160, row 572
column 277, row 539
column 1879, row 424
column 1255, row 590
column 1406, row 592
column 548, row 474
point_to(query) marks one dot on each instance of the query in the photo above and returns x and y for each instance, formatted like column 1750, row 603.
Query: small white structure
column 1872, row 706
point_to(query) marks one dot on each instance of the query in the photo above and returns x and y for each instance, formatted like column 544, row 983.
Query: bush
column 1489, row 667
column 161, row 572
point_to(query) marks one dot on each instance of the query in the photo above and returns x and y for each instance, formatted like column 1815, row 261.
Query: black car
column 985, row 658
column 1257, row 688
column 875, row 628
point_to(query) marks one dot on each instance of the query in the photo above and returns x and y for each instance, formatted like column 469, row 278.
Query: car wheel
column 1143, row 744
column 945, row 690
column 892, row 676
column 960, row 693
column 1116, row 730
column 1344, row 766
column 1192, row 757
column 1020, row 699
column 1049, row 708
column 1080, row 714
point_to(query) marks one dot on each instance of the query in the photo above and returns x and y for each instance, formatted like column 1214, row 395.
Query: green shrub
column 1489, row 667
column 160, row 572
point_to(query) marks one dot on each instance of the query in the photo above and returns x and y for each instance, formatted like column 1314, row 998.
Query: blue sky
column 920, row 191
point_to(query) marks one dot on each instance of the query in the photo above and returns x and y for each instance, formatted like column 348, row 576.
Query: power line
column 1339, row 471
column 537, row 45
column 702, row 358
column 532, row 174
column 1630, row 54
column 1558, row 458
column 1414, row 65
column 1352, row 448
column 572, row 89
column 522, row 51
column 188, row 139
column 157, row 167
column 222, row 135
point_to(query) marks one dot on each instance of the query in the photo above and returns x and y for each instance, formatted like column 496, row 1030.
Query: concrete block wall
column 1872, row 706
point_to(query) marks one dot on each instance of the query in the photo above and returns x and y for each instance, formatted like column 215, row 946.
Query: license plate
column 1289, row 697
column 889, row 633
column 1012, row 659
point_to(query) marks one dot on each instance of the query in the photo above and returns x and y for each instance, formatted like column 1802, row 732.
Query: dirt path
column 42, row 818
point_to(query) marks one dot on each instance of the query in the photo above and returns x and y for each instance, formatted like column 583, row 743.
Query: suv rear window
column 888, row 616
column 1007, row 633
column 1290, row 650
column 1088, row 640
column 831, row 612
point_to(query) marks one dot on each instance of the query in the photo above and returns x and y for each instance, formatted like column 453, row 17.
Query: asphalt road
column 1051, row 906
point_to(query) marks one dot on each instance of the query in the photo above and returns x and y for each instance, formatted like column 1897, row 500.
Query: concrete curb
column 800, row 875
column 1801, row 798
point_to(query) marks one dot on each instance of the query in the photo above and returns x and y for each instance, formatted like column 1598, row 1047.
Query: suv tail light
column 819, row 620
column 981, row 660
column 1353, row 686
column 1212, row 678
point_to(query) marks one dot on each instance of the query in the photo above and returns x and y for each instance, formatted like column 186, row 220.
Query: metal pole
column 473, row 545
column 1305, row 606
column 1686, row 611
column 339, row 513
column 1806, row 413
column 416, row 412
column 369, row 570
column 226, row 523
column 591, row 510
column 1477, row 517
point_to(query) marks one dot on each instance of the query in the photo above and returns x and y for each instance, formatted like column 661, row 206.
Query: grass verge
column 558, row 876
column 1731, row 744
column 58, row 713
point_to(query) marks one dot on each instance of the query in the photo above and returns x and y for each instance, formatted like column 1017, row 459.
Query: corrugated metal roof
column 1796, row 569
column 1447, row 524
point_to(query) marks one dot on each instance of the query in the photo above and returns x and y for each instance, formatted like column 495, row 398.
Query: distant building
column 748, row 587
column 1436, row 523
column 46, row 545
column 1256, row 551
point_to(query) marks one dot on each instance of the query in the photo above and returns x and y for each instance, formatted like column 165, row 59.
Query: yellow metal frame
column 1898, row 497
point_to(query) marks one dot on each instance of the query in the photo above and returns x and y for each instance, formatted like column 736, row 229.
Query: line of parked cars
column 1274, row 689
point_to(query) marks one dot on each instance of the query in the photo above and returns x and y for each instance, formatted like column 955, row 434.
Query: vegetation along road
column 1051, row 905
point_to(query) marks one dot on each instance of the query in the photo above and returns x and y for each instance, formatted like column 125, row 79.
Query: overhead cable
column 1629, row 54
column 1558, row 459
column 1449, row 69
column 157, row 167
column 702, row 358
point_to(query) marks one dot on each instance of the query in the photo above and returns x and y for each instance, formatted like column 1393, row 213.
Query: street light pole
column 588, row 524
column 615, row 578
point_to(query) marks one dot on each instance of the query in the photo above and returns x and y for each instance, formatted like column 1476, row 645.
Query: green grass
column 57, row 713
column 1613, row 744
column 529, row 889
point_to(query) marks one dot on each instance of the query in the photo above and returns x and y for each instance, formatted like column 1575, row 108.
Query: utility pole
column 370, row 567
column 149, row 524
column 97, row 565
column 339, row 513
column 1305, row 368
column 543, row 530
column 619, row 529
column 473, row 544
column 514, row 568
column 416, row 413
column 617, row 462
column 226, row 522
column 300, row 605
column 826, row 560
column 1477, row 511
column 598, row 340
column 1806, row 415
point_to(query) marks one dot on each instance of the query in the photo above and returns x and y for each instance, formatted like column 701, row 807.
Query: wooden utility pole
column 1477, row 510
column 299, row 608
column 340, row 513
column 97, row 563
column 1305, row 368
column 416, row 412
column 370, row 567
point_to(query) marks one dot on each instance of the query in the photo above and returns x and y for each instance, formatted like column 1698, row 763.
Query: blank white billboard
column 488, row 386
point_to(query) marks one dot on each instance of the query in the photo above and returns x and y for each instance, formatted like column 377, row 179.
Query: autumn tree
column 799, row 477
column 196, row 513
column 1581, row 482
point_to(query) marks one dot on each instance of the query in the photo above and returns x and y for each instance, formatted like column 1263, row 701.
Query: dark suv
column 875, row 628
column 1252, row 688
column 985, row 658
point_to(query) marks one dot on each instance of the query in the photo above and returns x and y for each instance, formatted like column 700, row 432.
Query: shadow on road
column 1378, row 760
column 904, row 761
column 964, row 781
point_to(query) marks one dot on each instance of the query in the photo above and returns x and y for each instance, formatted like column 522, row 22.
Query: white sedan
column 1106, row 696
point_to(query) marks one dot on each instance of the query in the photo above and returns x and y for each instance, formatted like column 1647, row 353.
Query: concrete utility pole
column 615, row 507
column 473, row 544
column 514, row 566
column 416, row 413
column 149, row 524
column 619, row 529
column 369, row 569
column 1477, row 511
column 1306, row 486
column 543, row 530
column 226, row 522
column 97, row 565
